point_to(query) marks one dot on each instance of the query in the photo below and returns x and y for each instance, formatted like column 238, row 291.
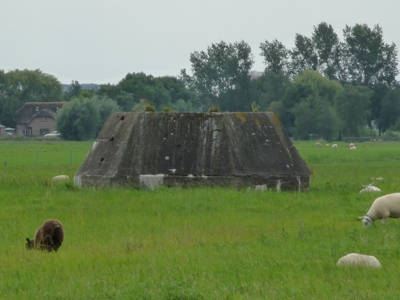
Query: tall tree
column 73, row 90
column 303, row 55
column 329, row 51
column 369, row 59
column 221, row 75
column 276, row 56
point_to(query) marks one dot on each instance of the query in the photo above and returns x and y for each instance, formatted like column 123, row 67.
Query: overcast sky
column 96, row 41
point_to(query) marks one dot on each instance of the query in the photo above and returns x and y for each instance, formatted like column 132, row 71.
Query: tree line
column 323, row 86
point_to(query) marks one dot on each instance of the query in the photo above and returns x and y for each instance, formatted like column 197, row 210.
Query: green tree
column 221, row 76
column 276, row 56
column 351, row 105
column 140, row 85
column 109, row 90
column 321, row 86
column 20, row 86
column 315, row 116
column 369, row 59
column 106, row 107
column 329, row 51
column 183, row 106
column 73, row 90
column 284, row 115
column 268, row 88
column 303, row 55
column 125, row 101
column 78, row 120
column 311, row 88
column 159, row 91
column 390, row 110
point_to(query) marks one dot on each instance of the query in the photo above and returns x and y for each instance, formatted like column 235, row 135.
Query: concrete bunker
column 147, row 149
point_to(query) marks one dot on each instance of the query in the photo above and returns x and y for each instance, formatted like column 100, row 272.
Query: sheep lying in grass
column 351, row 145
column 387, row 206
column 370, row 189
column 48, row 237
column 60, row 178
column 318, row 144
column 355, row 259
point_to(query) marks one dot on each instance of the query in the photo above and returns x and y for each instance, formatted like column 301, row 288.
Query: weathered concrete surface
column 145, row 149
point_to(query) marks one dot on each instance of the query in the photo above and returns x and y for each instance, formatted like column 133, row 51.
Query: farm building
column 37, row 118
column 145, row 149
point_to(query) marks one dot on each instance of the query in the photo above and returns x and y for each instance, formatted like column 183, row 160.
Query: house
column 37, row 118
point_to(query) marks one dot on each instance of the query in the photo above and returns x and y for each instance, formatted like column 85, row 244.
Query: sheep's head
column 29, row 244
column 367, row 220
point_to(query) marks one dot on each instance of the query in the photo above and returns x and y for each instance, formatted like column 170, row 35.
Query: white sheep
column 356, row 259
column 334, row 146
column 327, row 145
column 351, row 145
column 318, row 144
column 370, row 188
column 60, row 178
column 387, row 206
column 353, row 148
column 377, row 179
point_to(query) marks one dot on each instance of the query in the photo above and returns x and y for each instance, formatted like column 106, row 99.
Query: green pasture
column 202, row 243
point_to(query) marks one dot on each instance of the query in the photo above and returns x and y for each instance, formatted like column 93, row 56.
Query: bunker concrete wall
column 144, row 149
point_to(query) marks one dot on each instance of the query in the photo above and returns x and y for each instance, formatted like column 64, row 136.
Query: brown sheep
column 49, row 236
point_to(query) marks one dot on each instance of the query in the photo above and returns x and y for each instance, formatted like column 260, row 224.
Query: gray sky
column 97, row 41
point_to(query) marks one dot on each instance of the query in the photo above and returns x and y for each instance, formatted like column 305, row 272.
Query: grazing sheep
column 318, row 144
column 334, row 146
column 387, row 206
column 355, row 259
column 49, row 236
column 327, row 145
column 60, row 178
column 377, row 179
column 370, row 188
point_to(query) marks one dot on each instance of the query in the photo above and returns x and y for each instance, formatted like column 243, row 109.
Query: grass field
column 198, row 243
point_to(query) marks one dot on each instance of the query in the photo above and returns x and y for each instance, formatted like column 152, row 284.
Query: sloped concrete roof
column 143, row 149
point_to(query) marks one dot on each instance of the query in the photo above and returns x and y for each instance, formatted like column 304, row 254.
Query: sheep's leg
column 383, row 221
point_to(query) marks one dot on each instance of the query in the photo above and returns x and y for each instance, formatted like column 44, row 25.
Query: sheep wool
column 370, row 189
column 387, row 206
column 356, row 259
column 60, row 178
